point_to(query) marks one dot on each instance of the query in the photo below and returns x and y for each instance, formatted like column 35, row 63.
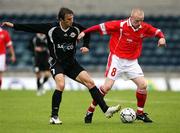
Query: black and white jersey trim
column 51, row 39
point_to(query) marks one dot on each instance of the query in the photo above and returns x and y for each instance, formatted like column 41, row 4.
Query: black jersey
column 39, row 41
column 61, row 43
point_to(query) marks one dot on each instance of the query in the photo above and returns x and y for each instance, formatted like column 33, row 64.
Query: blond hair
column 137, row 12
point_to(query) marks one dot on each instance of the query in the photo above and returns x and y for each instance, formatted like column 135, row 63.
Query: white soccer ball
column 127, row 115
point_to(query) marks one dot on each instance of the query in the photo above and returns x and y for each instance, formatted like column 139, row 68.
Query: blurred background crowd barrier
column 152, row 58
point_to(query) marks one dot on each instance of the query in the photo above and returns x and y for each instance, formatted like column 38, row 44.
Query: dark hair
column 63, row 11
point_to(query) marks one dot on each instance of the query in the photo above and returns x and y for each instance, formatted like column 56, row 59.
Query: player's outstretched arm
column 13, row 57
column 90, row 29
column 8, row 24
column 81, row 35
column 162, row 42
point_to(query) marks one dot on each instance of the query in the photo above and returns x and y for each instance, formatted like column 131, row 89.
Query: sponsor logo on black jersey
column 65, row 46
column 72, row 34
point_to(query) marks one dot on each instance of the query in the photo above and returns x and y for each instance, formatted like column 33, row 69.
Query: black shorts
column 41, row 64
column 70, row 68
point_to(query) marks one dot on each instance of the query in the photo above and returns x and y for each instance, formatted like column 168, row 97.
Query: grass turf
column 24, row 112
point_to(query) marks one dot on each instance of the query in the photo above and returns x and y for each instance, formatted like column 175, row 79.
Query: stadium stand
column 152, row 58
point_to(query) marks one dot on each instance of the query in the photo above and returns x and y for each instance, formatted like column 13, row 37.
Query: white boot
column 111, row 110
column 55, row 120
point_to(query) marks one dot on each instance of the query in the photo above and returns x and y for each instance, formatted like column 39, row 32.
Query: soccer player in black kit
column 38, row 45
column 62, row 39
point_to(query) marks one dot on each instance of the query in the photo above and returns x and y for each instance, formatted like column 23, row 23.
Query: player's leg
column 46, row 76
column 38, row 83
column 112, row 72
column 76, row 72
column 38, row 72
column 141, row 93
column 85, row 79
column 43, row 66
column 1, row 79
column 45, row 69
column 56, row 98
column 38, row 78
column 141, row 96
column 57, row 73
column 2, row 66
column 103, row 90
column 135, row 73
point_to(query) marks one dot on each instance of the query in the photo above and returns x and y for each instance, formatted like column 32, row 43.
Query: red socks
column 141, row 95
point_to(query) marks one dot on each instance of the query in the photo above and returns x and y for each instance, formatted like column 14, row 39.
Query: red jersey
column 125, row 41
column 5, row 41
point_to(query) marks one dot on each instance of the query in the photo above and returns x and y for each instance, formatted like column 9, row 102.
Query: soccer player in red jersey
column 5, row 41
column 126, row 37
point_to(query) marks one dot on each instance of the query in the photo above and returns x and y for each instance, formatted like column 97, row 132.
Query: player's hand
column 81, row 35
column 8, row 24
column 38, row 49
column 84, row 50
column 13, row 59
column 162, row 42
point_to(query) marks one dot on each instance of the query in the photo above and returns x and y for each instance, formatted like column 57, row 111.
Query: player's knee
column 143, row 85
column 90, row 84
column 60, row 86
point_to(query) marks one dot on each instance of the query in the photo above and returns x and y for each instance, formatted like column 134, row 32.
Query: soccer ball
column 127, row 115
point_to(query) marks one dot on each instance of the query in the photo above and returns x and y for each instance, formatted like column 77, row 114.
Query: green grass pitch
column 24, row 112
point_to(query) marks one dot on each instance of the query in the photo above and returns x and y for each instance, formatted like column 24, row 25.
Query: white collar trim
column 129, row 24
column 65, row 30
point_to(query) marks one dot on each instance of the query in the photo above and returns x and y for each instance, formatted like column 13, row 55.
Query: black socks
column 97, row 96
column 56, row 100
column 38, row 83
column 45, row 79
